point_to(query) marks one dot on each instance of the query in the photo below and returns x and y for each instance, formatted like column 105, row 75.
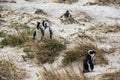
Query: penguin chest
column 47, row 33
column 38, row 35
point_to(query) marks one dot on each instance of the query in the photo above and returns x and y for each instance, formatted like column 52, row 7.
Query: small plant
column 27, row 50
column 40, row 11
column 69, row 20
column 2, row 34
column 28, row 54
column 48, row 50
column 79, row 52
column 18, row 37
column 12, row 41
column 9, row 71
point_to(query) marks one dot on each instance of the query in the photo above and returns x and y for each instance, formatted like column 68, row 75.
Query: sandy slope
column 103, row 14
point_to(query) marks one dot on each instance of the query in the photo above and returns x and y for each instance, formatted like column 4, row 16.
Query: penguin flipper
column 34, row 34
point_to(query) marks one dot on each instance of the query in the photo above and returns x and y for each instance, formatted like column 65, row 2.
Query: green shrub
column 46, row 50
column 49, row 50
column 20, row 35
column 12, row 41
column 2, row 34
column 53, row 46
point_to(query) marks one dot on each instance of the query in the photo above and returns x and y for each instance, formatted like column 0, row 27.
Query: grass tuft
column 12, row 41
column 110, row 76
column 19, row 36
column 106, row 28
column 9, row 71
column 2, row 34
column 67, row 74
column 47, row 50
column 40, row 11
column 79, row 52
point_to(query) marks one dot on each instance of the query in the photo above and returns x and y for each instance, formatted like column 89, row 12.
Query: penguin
column 88, row 64
column 38, row 33
column 67, row 14
column 43, row 23
column 48, row 31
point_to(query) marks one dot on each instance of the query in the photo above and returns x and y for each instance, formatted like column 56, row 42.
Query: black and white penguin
column 48, row 31
column 43, row 23
column 67, row 14
column 88, row 64
column 38, row 33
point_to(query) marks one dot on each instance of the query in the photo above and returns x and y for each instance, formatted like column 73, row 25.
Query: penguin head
column 67, row 11
column 45, row 25
column 91, row 53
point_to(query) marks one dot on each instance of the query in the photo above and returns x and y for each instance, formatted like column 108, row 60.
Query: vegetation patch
column 40, row 11
column 12, row 41
column 2, row 34
column 9, row 71
column 46, row 50
column 110, row 76
column 78, row 53
column 19, row 36
column 49, row 49
column 65, row 1
column 106, row 28
column 68, row 74
column 69, row 20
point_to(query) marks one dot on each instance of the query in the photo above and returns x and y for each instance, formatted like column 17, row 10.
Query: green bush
column 12, row 41
column 2, row 34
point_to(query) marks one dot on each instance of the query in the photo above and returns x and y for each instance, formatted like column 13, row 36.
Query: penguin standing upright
column 48, row 31
column 67, row 14
column 38, row 33
column 88, row 64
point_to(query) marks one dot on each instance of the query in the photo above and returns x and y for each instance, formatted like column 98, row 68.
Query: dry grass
column 101, row 39
column 19, row 36
column 40, row 11
column 46, row 50
column 78, row 53
column 106, row 28
column 49, row 50
column 82, row 16
column 65, row 74
column 107, row 2
column 65, row 1
column 110, row 76
column 9, row 71
column 1, row 1
column 68, row 20
column 12, row 41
